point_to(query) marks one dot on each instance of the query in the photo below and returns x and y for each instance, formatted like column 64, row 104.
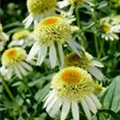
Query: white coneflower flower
column 3, row 38
column 51, row 31
column 85, row 62
column 39, row 9
column 14, row 60
column 72, row 86
column 109, row 31
column 22, row 38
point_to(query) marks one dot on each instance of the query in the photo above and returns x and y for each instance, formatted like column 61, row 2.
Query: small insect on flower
column 109, row 32
column 22, row 38
column 39, row 9
column 3, row 38
column 14, row 60
column 86, row 62
column 48, row 33
column 71, row 86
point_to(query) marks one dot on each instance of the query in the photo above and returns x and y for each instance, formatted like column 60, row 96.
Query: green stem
column 94, row 15
column 77, row 16
column 101, row 49
column 9, row 93
column 96, row 44
column 79, row 25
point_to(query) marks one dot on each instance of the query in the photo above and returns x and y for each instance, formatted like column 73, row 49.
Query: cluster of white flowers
column 72, row 84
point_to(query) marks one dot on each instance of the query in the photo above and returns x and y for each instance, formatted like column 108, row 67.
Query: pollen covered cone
column 13, row 56
column 72, row 83
column 74, row 60
column 40, row 6
column 52, row 29
column 76, row 1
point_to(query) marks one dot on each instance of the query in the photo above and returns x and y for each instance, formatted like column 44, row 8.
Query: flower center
column 11, row 53
column 106, row 27
column 50, row 21
column 72, row 83
column 74, row 60
column 71, row 76
column 40, row 6
column 13, row 56
column 52, row 29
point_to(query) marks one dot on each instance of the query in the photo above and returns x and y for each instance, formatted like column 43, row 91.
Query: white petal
column 96, row 72
column 28, row 20
column 26, row 66
column 96, row 63
column 55, row 108
column 53, row 56
column 49, row 99
column 91, row 104
column 17, row 71
column 63, row 4
column 77, row 45
column 42, row 54
column 22, row 70
column 51, row 104
column 65, row 110
column 61, row 54
column 96, row 101
column 75, row 110
column 33, row 51
column 86, row 109
column 74, row 48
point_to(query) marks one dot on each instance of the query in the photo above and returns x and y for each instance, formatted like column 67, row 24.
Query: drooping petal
column 61, row 53
column 75, row 110
column 96, row 63
column 65, row 110
column 18, row 73
column 22, row 70
column 96, row 72
column 28, row 20
column 42, row 54
column 51, row 104
column 91, row 104
column 74, row 48
column 26, row 66
column 55, row 108
column 53, row 57
column 86, row 109
column 33, row 51
column 96, row 101
column 49, row 99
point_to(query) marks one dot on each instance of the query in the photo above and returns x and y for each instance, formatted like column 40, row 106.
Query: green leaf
column 111, row 98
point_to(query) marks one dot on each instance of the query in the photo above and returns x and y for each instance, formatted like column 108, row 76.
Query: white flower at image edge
column 14, row 60
column 71, row 86
column 51, row 31
column 110, row 31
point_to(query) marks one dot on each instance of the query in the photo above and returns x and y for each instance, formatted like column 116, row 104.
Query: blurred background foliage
column 30, row 93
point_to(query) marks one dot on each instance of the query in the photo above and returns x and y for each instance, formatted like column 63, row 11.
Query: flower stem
column 101, row 49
